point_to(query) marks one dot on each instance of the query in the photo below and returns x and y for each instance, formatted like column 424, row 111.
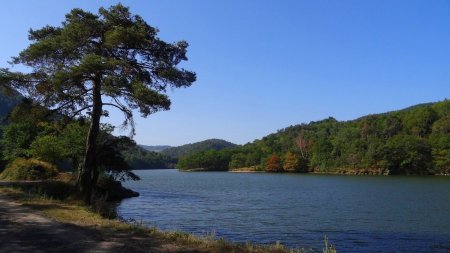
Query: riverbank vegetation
column 413, row 141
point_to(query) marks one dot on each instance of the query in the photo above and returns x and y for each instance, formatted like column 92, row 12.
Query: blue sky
column 265, row 65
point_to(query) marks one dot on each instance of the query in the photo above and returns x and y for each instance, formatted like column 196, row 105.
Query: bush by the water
column 29, row 169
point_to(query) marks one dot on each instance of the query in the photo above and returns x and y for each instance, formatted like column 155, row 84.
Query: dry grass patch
column 29, row 169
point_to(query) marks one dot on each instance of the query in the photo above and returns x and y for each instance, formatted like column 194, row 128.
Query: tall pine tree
column 94, row 61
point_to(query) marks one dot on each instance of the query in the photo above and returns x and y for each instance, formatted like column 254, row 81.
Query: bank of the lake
column 358, row 213
column 34, row 223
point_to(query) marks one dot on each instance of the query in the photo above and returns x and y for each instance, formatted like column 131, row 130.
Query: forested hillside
column 415, row 140
column 189, row 149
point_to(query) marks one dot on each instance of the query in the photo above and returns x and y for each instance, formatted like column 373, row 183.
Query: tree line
column 415, row 141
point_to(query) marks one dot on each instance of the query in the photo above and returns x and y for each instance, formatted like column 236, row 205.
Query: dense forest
column 415, row 140
column 35, row 132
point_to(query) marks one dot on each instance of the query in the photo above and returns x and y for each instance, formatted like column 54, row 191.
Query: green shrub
column 28, row 169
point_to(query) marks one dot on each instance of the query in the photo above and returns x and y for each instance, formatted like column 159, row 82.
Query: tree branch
column 80, row 110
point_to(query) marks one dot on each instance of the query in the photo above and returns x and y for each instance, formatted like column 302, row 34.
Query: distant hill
column 140, row 158
column 189, row 149
column 155, row 148
column 163, row 156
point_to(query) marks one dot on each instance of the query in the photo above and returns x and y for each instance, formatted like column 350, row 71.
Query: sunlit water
column 357, row 213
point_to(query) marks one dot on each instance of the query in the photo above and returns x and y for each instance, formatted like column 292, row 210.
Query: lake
column 356, row 213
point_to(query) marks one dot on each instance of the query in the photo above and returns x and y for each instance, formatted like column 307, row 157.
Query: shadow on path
column 25, row 230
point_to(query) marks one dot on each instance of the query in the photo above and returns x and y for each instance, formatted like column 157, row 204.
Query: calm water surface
column 357, row 213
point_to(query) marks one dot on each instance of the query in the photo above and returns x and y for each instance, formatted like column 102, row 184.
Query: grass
column 329, row 248
column 136, row 236
column 28, row 169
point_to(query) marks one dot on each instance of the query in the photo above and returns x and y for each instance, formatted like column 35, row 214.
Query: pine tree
column 93, row 61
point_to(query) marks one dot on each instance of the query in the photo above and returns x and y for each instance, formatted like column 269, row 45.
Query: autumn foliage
column 273, row 164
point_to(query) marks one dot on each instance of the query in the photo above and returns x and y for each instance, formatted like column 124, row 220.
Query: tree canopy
column 116, row 50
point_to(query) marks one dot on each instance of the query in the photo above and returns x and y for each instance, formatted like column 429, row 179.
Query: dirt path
column 23, row 229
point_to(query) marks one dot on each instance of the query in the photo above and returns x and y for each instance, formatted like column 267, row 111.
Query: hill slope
column 189, row 149
column 415, row 140
column 140, row 158
column 155, row 148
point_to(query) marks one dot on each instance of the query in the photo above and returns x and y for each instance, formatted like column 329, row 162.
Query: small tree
column 293, row 162
column 47, row 148
column 273, row 164
column 110, row 59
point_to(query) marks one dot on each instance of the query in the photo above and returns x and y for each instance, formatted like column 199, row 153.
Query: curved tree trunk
column 88, row 173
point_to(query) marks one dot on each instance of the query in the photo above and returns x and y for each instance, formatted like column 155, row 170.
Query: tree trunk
column 87, row 177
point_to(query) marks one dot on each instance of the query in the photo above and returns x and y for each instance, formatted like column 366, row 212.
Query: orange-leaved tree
column 273, row 164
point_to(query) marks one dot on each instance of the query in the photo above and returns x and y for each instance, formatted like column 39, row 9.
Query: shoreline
column 354, row 172
column 49, row 224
